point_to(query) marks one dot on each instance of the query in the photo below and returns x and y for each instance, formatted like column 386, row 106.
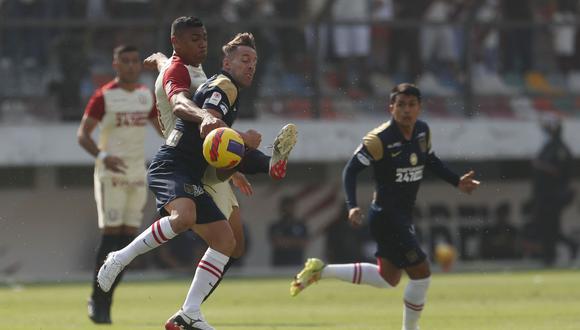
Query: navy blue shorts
column 171, row 179
column 395, row 236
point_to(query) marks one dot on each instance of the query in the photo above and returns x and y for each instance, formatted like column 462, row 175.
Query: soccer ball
column 223, row 148
column 445, row 256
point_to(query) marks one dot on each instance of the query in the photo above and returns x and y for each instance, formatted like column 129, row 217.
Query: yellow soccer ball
column 223, row 148
column 445, row 256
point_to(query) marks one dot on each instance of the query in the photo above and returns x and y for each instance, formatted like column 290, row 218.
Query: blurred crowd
column 341, row 54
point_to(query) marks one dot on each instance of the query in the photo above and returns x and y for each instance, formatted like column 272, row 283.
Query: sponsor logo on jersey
column 215, row 98
column 409, row 174
column 395, row 154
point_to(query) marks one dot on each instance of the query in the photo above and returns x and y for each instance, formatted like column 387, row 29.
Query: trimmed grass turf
column 476, row 301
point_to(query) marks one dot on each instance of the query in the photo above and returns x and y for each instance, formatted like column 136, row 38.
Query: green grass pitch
column 477, row 301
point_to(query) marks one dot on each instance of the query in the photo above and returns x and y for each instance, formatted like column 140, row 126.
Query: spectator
column 288, row 236
column 551, row 189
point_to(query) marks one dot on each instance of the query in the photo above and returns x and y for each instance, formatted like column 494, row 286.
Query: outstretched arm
column 155, row 61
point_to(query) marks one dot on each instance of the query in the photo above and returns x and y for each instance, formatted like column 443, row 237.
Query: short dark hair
column 404, row 88
column 185, row 22
column 241, row 39
column 124, row 49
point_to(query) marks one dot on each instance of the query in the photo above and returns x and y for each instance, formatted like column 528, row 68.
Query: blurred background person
column 288, row 235
column 551, row 189
column 121, row 109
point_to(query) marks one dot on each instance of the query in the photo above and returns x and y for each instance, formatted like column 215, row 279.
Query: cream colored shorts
column 220, row 191
column 120, row 201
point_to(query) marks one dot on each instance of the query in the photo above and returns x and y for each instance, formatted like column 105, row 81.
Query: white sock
column 208, row 272
column 158, row 233
column 358, row 273
column 414, row 299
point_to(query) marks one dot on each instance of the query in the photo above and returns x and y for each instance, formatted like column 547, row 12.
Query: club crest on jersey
column 215, row 98
column 413, row 159
column 192, row 189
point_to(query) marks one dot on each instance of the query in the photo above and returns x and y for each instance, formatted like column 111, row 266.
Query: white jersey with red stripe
column 123, row 115
column 174, row 77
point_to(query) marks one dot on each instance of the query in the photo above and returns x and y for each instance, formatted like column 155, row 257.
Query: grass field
column 539, row 300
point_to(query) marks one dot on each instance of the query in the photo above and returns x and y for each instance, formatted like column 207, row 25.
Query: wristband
column 102, row 155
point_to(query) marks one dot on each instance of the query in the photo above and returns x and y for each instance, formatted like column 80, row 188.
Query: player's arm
column 370, row 150
column 155, row 61
column 465, row 183
column 177, row 84
column 84, row 132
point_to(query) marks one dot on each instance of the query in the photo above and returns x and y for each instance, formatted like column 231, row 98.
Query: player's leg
column 416, row 294
column 110, row 203
column 219, row 237
column 174, row 191
column 182, row 214
column 355, row 273
column 255, row 161
column 131, row 219
column 235, row 221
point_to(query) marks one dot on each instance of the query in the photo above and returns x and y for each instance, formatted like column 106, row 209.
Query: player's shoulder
column 380, row 131
column 225, row 84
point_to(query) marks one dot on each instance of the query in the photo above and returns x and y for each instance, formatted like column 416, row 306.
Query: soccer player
column 398, row 151
column 175, row 177
column 122, row 108
column 173, row 77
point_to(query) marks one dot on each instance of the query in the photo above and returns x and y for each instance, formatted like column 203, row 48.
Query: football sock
column 254, row 162
column 209, row 271
column 158, row 233
column 357, row 273
column 414, row 300
column 108, row 244
column 226, row 267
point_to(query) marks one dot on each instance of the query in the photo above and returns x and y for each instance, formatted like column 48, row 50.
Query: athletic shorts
column 220, row 191
column 395, row 236
column 120, row 200
column 171, row 179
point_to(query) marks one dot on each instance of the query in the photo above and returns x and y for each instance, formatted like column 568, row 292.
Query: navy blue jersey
column 219, row 93
column 398, row 165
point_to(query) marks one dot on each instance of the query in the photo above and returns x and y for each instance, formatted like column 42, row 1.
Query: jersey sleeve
column 176, row 79
column 96, row 106
column 359, row 161
column 434, row 164
column 373, row 145
column 221, row 96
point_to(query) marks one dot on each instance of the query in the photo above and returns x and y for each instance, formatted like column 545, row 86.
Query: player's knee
column 182, row 220
column 392, row 279
column 226, row 245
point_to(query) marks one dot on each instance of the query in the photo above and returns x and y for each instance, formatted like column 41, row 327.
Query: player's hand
column 467, row 184
column 115, row 164
column 208, row 124
column 241, row 182
column 355, row 217
column 252, row 139
column 154, row 61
